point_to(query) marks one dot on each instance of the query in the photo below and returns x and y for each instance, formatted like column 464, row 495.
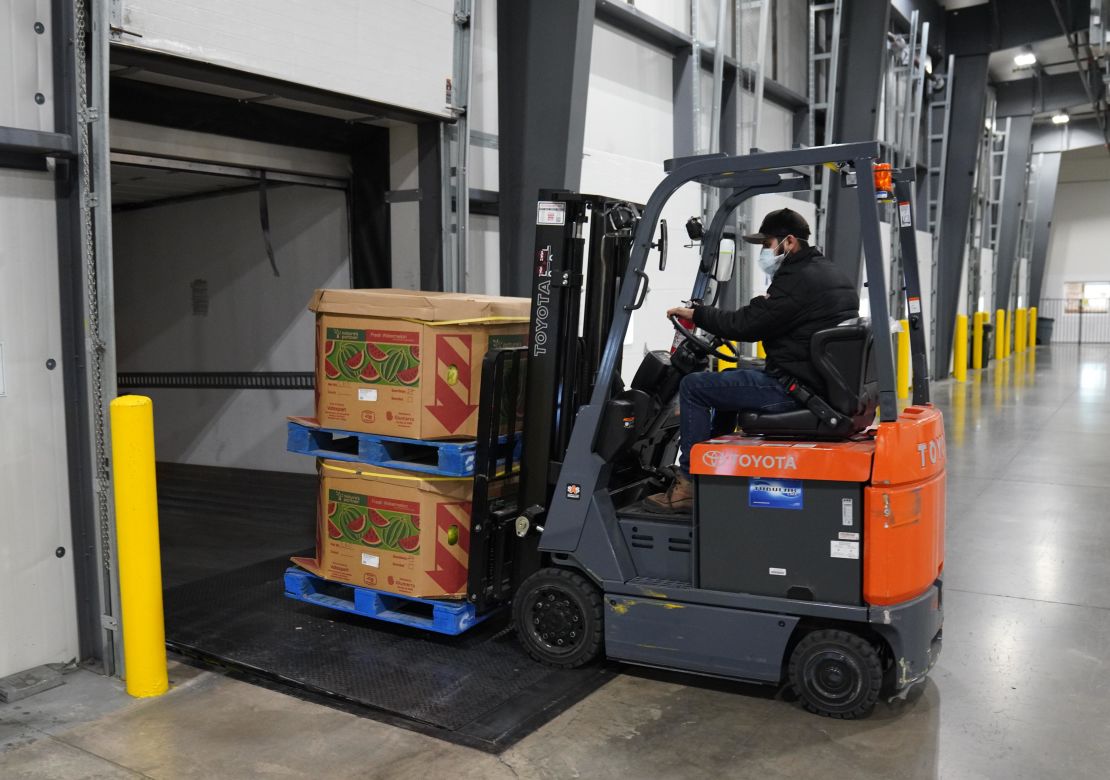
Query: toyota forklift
column 814, row 552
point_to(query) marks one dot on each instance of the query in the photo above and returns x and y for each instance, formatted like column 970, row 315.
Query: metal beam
column 36, row 142
column 543, row 68
column 969, row 97
column 430, row 170
column 685, row 92
column 1077, row 134
column 1048, row 172
column 1013, row 196
column 1038, row 95
column 862, row 54
column 988, row 27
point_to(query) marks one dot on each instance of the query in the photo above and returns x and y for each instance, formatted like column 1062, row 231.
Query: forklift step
column 442, row 616
column 443, row 458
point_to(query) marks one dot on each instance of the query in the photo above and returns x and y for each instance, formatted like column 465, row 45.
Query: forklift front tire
column 836, row 674
column 558, row 618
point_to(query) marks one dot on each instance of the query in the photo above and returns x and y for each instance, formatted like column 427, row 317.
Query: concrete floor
column 1020, row 691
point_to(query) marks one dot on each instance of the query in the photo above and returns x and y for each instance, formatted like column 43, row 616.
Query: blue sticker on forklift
column 775, row 493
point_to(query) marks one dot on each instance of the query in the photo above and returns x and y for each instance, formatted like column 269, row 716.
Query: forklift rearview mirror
column 726, row 260
column 662, row 245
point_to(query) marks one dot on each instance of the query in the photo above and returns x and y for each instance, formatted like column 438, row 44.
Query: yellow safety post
column 1019, row 330
column 999, row 337
column 977, row 322
column 1008, row 342
column 140, row 565
column 1032, row 327
column 904, row 360
column 759, row 353
column 725, row 365
column 959, row 352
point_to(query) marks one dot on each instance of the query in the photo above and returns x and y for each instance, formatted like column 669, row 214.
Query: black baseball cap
column 780, row 224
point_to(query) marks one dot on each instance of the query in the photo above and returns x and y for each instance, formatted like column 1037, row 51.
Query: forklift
column 814, row 553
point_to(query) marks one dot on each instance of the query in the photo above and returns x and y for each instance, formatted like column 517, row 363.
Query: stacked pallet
column 398, row 377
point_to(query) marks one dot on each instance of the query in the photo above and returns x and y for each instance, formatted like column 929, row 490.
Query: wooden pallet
column 439, row 615
column 443, row 458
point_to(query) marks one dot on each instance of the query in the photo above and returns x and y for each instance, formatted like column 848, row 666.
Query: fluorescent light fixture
column 1025, row 59
column 1061, row 119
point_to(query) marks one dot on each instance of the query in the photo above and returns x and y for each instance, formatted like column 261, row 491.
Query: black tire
column 836, row 674
column 558, row 618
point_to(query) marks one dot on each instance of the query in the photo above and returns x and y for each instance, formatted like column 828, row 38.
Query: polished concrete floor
column 1021, row 690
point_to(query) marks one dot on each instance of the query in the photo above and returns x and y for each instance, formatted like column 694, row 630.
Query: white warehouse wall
column 1080, row 231
column 255, row 321
column 37, row 600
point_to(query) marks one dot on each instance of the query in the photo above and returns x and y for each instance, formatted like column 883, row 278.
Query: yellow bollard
column 959, row 351
column 725, row 365
column 1019, row 330
column 1009, row 342
column 977, row 322
column 140, row 565
column 999, row 334
column 904, row 360
column 759, row 353
column 1032, row 327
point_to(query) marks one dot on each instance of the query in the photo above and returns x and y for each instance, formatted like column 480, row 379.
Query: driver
column 807, row 293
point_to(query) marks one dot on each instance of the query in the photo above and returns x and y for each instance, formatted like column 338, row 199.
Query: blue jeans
column 709, row 403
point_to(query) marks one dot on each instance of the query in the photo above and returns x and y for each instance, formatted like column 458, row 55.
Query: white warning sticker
column 367, row 394
column 549, row 212
column 777, row 572
column 915, row 305
column 905, row 214
column 838, row 549
column 849, row 536
column 370, row 560
column 845, row 511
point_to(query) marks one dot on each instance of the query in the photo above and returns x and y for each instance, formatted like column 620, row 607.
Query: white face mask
column 769, row 261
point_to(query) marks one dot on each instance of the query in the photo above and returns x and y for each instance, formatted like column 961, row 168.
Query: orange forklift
column 814, row 553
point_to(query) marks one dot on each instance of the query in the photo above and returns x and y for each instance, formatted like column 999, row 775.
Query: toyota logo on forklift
column 598, row 575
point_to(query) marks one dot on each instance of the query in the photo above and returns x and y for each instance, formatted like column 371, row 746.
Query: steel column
column 969, row 97
column 1013, row 188
column 1048, row 171
column 543, row 68
column 861, row 58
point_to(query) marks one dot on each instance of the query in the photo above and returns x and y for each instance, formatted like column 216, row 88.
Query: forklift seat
column 844, row 357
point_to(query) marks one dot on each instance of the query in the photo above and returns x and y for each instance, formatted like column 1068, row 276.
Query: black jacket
column 808, row 293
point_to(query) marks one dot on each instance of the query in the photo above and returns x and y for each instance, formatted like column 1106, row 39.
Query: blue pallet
column 441, row 616
column 443, row 458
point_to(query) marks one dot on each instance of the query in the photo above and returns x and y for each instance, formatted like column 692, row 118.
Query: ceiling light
column 1025, row 59
column 1061, row 118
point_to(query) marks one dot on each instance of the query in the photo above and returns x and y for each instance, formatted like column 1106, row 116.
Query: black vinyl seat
column 844, row 356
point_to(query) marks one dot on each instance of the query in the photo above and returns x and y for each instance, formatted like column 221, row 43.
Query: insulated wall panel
column 37, row 607
column 398, row 53
column 195, row 292
column 26, row 69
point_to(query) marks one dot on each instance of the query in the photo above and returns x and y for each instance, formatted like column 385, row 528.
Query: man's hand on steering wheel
column 710, row 347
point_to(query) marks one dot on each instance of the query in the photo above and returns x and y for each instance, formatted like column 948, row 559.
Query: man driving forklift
column 808, row 293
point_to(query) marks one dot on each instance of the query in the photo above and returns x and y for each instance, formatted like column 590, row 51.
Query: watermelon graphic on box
column 407, row 363
column 394, row 531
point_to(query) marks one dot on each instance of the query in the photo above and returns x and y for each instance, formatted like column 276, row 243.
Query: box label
column 367, row 394
column 838, row 549
column 382, row 523
column 370, row 560
column 775, row 493
column 372, row 356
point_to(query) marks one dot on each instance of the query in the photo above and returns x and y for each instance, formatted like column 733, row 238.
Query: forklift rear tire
column 558, row 618
column 836, row 674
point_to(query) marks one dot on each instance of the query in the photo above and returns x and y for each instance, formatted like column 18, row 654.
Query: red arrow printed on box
column 450, row 572
column 452, row 405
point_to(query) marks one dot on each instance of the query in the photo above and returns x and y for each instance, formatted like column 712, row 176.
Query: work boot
column 678, row 500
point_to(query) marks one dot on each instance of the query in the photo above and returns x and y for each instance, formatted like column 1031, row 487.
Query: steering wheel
column 703, row 346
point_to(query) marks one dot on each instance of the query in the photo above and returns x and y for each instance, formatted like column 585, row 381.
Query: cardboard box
column 406, row 363
column 395, row 531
